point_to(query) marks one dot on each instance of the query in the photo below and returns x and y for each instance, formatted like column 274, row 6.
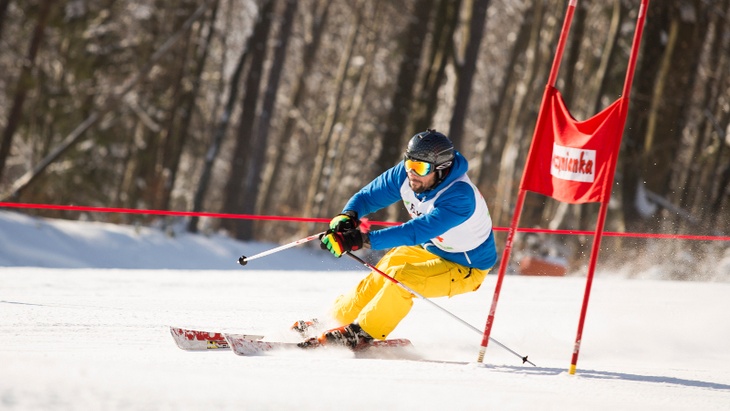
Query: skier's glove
column 339, row 243
column 345, row 221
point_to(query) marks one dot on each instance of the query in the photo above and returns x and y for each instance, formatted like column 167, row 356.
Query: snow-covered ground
column 85, row 311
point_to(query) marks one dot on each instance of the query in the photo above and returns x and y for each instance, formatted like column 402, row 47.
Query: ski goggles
column 421, row 168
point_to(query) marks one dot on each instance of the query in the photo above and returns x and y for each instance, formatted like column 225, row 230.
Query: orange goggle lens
column 421, row 168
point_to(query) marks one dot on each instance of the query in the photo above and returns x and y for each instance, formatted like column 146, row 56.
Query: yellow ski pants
column 379, row 304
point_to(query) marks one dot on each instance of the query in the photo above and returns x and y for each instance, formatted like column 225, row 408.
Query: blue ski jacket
column 455, row 203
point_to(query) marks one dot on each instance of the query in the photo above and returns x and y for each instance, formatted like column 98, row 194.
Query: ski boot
column 306, row 328
column 351, row 336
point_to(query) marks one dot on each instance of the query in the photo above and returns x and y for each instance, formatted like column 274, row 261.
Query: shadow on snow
column 609, row 375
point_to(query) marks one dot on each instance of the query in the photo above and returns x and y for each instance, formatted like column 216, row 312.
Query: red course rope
column 326, row 220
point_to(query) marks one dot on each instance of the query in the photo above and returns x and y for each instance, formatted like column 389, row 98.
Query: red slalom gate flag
column 574, row 161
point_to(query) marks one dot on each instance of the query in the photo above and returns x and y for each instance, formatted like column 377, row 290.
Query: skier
column 446, row 248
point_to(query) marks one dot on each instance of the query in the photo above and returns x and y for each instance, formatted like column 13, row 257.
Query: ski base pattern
column 194, row 340
column 246, row 346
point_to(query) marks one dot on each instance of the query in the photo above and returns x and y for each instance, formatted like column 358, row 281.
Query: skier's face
column 420, row 184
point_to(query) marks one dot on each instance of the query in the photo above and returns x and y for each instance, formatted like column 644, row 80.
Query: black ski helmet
column 432, row 147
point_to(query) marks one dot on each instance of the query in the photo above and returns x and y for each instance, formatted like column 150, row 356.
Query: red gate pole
column 521, row 196
column 589, row 282
column 561, row 42
column 604, row 204
column 502, row 268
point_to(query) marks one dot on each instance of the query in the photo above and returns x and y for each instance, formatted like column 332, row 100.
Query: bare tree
column 445, row 22
column 351, row 131
column 467, row 69
column 508, row 179
column 261, row 136
column 179, row 126
column 24, row 83
column 111, row 102
column 325, row 141
column 3, row 12
column 412, row 46
column 493, row 144
column 271, row 176
column 243, row 152
column 671, row 95
column 219, row 132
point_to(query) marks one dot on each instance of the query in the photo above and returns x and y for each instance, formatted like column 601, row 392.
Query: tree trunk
column 260, row 142
column 545, row 53
column 243, row 152
column 271, row 175
column 412, row 45
column 171, row 138
column 493, row 143
column 466, row 71
column 219, row 129
column 442, row 48
column 313, row 203
column 3, row 12
column 180, row 129
column 672, row 93
column 601, row 80
column 351, row 130
column 636, row 124
column 394, row 131
column 696, row 162
column 507, row 182
column 24, row 84
column 721, row 174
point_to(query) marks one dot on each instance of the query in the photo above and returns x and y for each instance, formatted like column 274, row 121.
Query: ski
column 194, row 340
column 254, row 345
column 245, row 346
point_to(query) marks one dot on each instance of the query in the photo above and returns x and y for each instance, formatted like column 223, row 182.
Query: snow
column 85, row 310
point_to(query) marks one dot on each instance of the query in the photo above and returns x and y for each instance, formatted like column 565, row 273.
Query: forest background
column 285, row 107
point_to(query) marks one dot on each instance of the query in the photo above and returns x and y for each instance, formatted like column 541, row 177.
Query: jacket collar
column 458, row 168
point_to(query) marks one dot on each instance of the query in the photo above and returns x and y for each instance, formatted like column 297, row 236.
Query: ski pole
column 243, row 260
column 410, row 290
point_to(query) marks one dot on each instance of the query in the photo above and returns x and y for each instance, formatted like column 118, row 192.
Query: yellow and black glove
column 345, row 221
column 340, row 242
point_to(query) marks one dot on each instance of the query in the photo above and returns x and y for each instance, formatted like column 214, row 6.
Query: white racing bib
column 463, row 237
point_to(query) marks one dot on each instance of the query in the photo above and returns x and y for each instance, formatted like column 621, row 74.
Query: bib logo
column 412, row 211
column 573, row 164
